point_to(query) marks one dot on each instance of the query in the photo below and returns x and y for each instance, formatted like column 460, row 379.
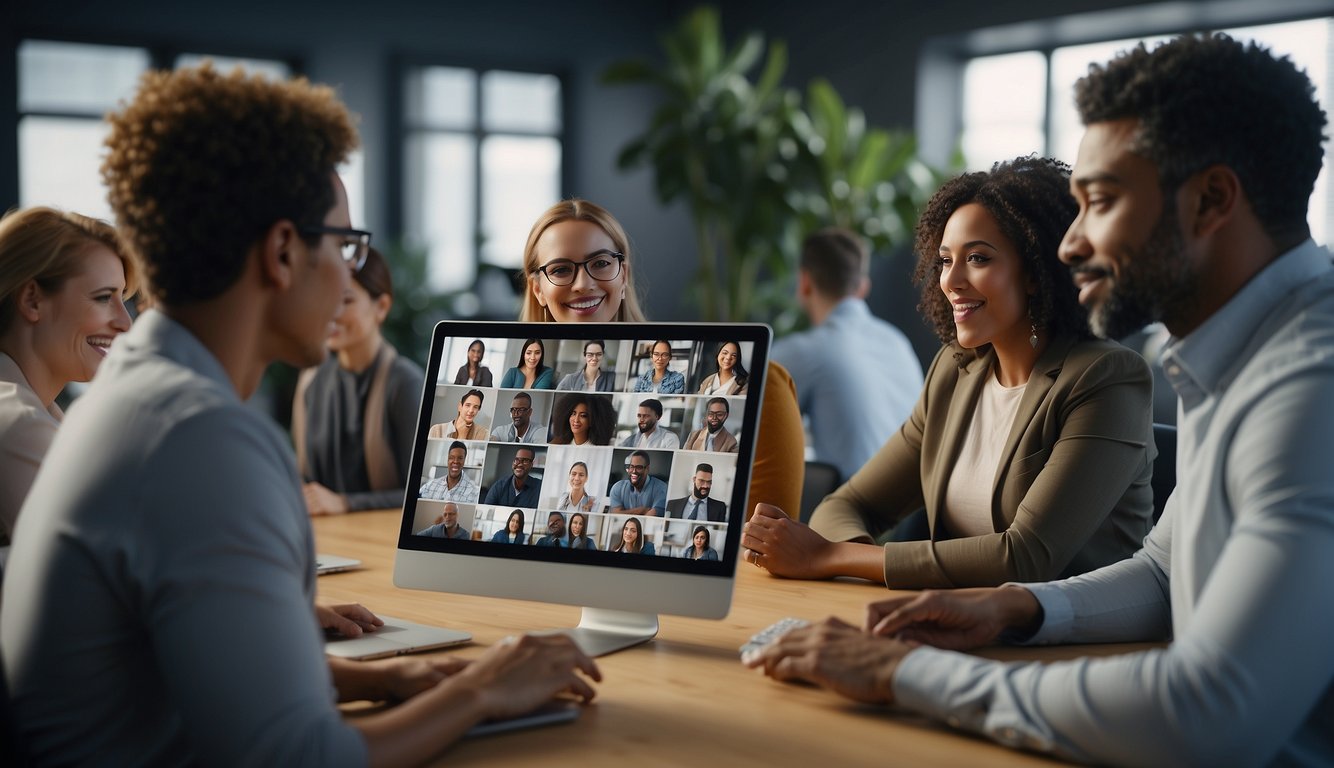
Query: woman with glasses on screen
column 577, row 497
column 632, row 538
column 531, row 372
column 658, row 378
column 591, row 378
column 731, row 378
column 580, row 269
column 577, row 535
column 63, row 282
column 1031, row 446
column 364, row 388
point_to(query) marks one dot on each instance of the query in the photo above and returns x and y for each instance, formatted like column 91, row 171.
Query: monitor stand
column 601, row 632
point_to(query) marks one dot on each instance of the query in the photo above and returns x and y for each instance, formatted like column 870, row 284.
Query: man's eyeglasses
column 518, row 460
column 516, row 411
column 600, row 265
column 355, row 246
column 637, row 467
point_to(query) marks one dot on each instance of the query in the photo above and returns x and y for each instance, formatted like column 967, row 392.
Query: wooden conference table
column 684, row 697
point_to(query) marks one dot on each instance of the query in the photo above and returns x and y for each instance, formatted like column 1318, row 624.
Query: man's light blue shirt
column 654, row 494
column 1237, row 572
column 857, row 380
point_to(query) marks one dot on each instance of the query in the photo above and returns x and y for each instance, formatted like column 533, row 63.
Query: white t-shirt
column 968, row 496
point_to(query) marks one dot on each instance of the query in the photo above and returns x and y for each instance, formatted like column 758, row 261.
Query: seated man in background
column 447, row 525
column 166, row 507
column 1193, row 180
column 857, row 376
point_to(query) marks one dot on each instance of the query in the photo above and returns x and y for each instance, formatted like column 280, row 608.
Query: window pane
column 514, row 101
column 440, row 97
column 273, row 70
column 69, row 77
column 439, row 211
column 1003, row 107
column 1067, row 66
column 520, row 179
column 1307, row 43
column 59, row 162
column 353, row 174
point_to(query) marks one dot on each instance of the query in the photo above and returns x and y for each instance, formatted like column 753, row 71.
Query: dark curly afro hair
column 1030, row 199
column 1208, row 99
column 201, row 164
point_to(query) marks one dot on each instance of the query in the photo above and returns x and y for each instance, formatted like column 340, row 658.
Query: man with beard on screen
column 713, row 436
column 699, row 505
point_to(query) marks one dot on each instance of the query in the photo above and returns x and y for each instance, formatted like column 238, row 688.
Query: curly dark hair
column 601, row 419
column 1030, row 199
column 201, row 164
column 1207, row 99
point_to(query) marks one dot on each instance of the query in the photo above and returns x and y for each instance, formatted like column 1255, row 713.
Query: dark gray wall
column 353, row 46
column 870, row 51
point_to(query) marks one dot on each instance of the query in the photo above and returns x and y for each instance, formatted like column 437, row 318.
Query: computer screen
column 598, row 465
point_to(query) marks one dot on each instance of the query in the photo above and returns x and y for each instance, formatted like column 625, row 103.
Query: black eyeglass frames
column 355, row 246
column 600, row 265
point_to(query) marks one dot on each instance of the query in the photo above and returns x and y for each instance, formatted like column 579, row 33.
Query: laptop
column 395, row 638
column 327, row 564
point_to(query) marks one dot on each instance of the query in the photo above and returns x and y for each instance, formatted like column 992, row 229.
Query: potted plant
column 758, row 169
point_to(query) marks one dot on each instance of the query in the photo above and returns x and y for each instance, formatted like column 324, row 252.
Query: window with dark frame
column 65, row 89
column 482, row 158
column 1019, row 102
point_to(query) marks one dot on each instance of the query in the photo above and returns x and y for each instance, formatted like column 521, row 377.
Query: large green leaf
column 759, row 166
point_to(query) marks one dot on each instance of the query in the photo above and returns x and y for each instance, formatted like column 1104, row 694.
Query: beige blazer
column 1072, row 490
column 723, row 442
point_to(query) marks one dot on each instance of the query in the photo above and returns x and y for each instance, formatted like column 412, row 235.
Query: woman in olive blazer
column 1072, row 490
column 1070, row 487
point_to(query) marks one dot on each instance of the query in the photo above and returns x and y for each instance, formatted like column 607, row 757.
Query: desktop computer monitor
column 597, row 465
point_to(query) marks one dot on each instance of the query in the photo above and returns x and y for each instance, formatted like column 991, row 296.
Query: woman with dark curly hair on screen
column 1031, row 446
column 583, row 420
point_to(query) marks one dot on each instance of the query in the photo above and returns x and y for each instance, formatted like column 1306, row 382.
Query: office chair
column 1164, row 467
column 821, row 480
